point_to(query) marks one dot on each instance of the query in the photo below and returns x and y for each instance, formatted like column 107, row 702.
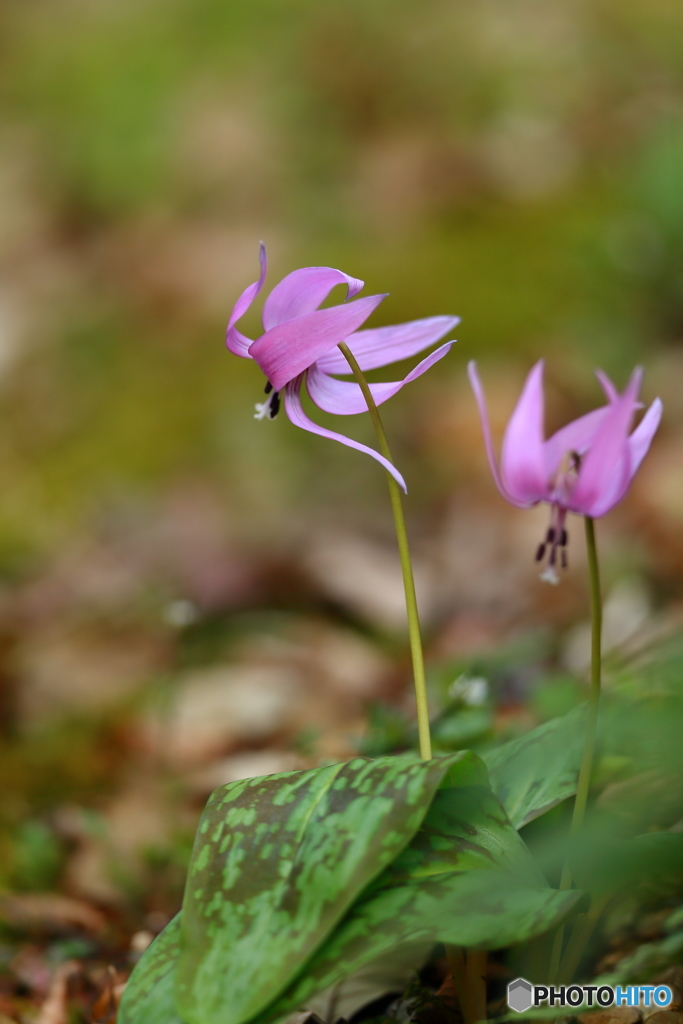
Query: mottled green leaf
column 466, row 878
column 534, row 773
column 277, row 862
column 148, row 996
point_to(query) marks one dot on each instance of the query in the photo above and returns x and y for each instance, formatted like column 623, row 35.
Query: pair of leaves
column 466, row 878
column 277, row 861
column 300, row 881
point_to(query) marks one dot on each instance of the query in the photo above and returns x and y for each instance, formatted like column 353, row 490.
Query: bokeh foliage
column 516, row 163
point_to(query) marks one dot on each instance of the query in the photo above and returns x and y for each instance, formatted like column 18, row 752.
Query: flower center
column 271, row 407
column 565, row 477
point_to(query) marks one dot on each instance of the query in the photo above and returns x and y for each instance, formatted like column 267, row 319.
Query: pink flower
column 300, row 343
column 585, row 468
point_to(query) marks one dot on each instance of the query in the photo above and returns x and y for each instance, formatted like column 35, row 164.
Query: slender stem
column 468, row 971
column 583, row 785
column 596, row 675
column 584, row 926
column 457, row 964
column 476, row 976
column 406, row 565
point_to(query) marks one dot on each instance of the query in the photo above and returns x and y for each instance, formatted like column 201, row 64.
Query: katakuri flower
column 585, row 468
column 300, row 341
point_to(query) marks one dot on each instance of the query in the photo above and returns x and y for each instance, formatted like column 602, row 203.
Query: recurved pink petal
column 605, row 472
column 608, row 387
column 290, row 348
column 522, row 460
column 641, row 438
column 295, row 412
column 302, row 291
column 611, row 393
column 345, row 398
column 383, row 345
column 578, row 436
column 234, row 339
column 575, row 437
column 488, row 440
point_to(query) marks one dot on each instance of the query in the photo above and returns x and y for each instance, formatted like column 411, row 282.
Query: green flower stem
column 584, row 926
column 406, row 565
column 586, row 769
column 594, row 699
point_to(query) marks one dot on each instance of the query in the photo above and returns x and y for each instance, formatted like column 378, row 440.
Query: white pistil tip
column 262, row 410
column 550, row 576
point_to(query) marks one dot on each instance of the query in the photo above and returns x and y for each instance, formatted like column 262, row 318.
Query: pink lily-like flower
column 300, row 343
column 585, row 468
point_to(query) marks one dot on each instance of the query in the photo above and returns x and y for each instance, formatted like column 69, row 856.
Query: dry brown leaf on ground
column 105, row 1007
column 49, row 912
column 616, row 1015
column 55, row 1009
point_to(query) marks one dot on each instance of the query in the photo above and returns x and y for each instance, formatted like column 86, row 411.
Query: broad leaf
column 466, row 878
column 534, row 773
column 276, row 864
column 148, row 996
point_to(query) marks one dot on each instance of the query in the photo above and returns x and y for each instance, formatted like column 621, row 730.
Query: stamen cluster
column 271, row 407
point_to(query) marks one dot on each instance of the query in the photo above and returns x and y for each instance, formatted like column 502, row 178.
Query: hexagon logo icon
column 520, row 996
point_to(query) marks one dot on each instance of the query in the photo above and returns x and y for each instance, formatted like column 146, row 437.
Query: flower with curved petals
column 585, row 468
column 299, row 345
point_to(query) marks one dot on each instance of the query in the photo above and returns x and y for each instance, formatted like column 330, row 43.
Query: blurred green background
column 516, row 162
